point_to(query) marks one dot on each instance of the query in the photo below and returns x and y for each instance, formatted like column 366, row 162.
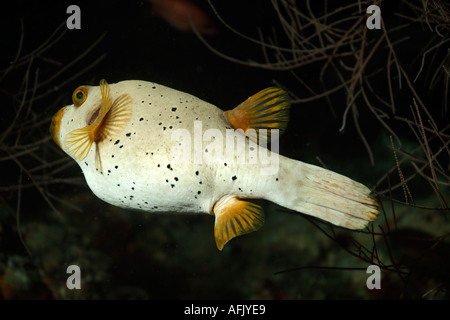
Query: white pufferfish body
column 123, row 137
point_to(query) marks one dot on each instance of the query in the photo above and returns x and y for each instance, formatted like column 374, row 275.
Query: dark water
column 129, row 255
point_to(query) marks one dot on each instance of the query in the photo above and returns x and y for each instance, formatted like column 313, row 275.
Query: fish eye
column 79, row 96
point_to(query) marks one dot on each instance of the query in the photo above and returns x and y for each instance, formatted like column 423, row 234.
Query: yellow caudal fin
column 235, row 217
column 111, row 120
column 262, row 112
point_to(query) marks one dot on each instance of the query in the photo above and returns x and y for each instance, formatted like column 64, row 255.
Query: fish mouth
column 55, row 126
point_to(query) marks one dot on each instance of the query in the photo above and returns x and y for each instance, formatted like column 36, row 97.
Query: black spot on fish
column 169, row 167
column 86, row 164
column 128, row 134
column 153, row 87
column 172, row 185
column 198, row 192
column 196, row 173
column 117, row 141
column 176, row 178
column 117, row 167
column 174, row 109
column 118, row 184
column 141, row 119
column 121, row 147
column 233, row 178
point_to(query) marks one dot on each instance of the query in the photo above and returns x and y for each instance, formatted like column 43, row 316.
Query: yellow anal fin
column 267, row 109
column 235, row 217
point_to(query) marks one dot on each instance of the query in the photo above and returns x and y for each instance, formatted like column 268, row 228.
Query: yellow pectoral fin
column 78, row 143
column 236, row 217
column 106, row 98
column 262, row 112
column 115, row 120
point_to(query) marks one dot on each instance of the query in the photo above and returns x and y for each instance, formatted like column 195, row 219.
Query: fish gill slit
column 94, row 115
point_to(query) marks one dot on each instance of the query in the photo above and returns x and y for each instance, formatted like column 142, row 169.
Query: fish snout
column 56, row 125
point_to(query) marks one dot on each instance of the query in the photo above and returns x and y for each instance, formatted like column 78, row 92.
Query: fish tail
column 325, row 194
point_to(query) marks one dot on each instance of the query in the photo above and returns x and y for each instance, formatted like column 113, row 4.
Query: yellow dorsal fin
column 235, row 217
column 112, row 119
column 267, row 109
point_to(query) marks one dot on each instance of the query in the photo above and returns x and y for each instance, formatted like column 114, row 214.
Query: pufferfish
column 124, row 136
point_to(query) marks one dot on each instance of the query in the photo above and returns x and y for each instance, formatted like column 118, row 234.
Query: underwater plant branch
column 38, row 187
column 73, row 62
column 349, row 106
column 391, row 201
column 404, row 73
column 376, row 113
column 22, row 103
column 424, row 141
column 19, row 201
column 66, row 203
column 433, row 48
column 300, row 57
column 322, row 94
column 410, row 156
column 315, row 267
column 19, row 52
column 357, row 250
column 424, row 145
column 432, row 183
column 406, row 192
column 71, row 78
column 47, row 44
column 402, row 274
column 362, row 136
